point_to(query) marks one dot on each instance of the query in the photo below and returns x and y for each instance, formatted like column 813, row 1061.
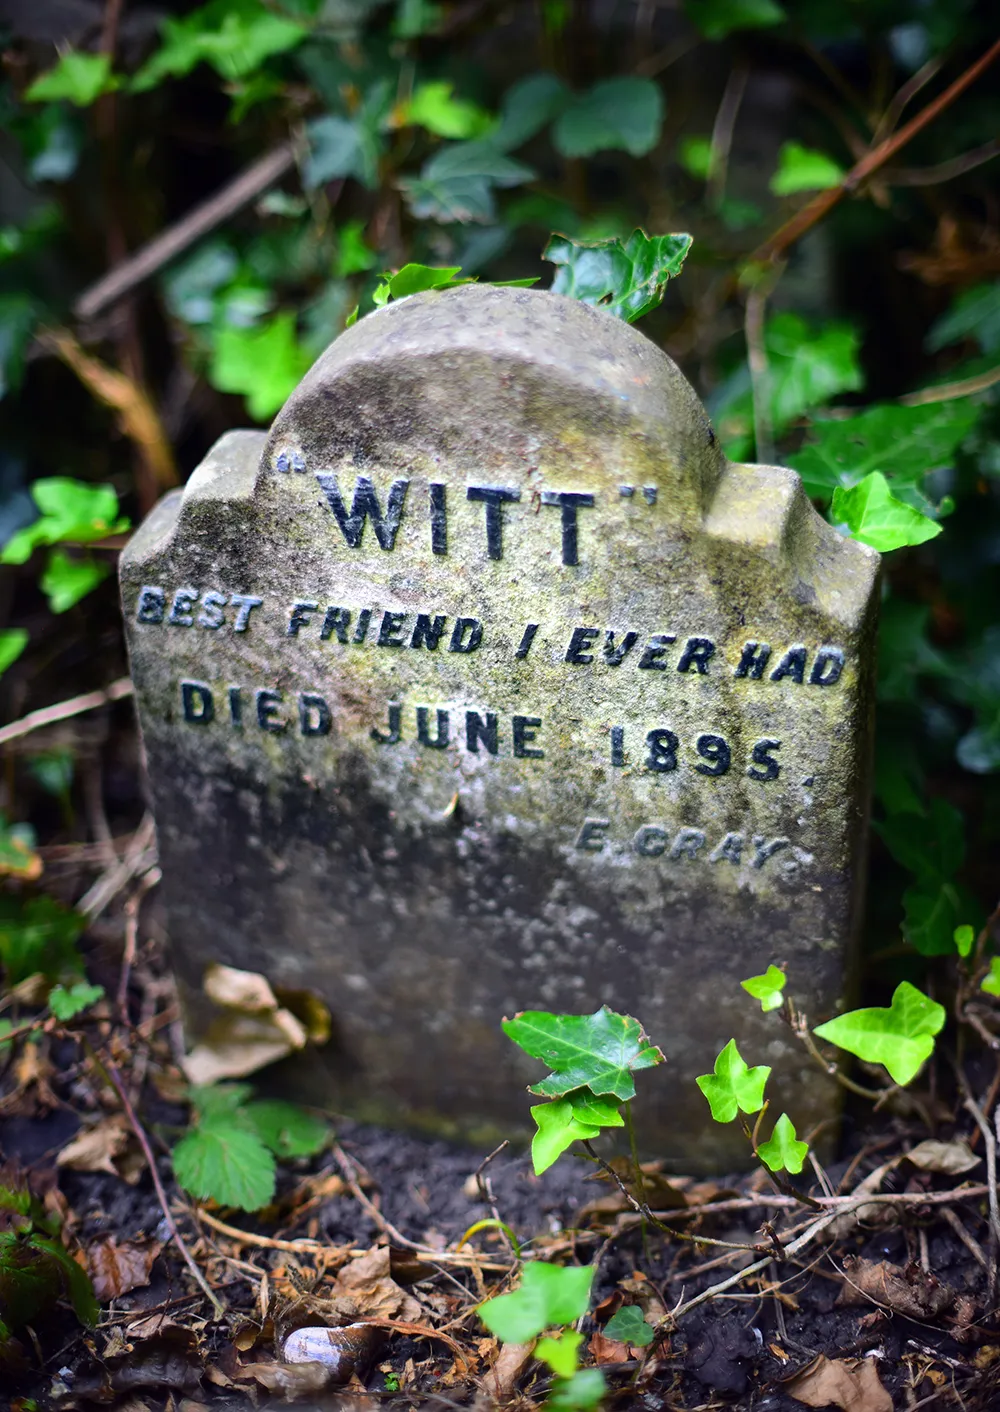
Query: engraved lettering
column 765, row 848
column 197, row 703
column 314, row 714
column 730, row 849
column 525, row 730
column 793, row 665
column 300, row 616
column 662, row 751
column 236, row 706
column 268, row 703
column 578, row 643
column 459, row 642
column 527, row 638
column 715, row 750
column 427, row 633
column 337, row 620
column 391, row 624
column 618, row 745
column 151, row 604
column 245, row 603
column 476, row 730
column 615, row 654
column 394, row 734
column 423, row 732
column 591, row 838
column 439, row 518
column 651, row 841
column 570, row 501
column 361, row 626
column 753, row 659
column 827, row 667
column 365, row 506
column 761, row 755
column 697, row 653
column 211, row 615
column 654, row 650
column 180, row 608
column 688, row 843
column 494, row 497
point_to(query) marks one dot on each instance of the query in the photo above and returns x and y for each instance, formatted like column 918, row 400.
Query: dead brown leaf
column 910, row 1291
column 952, row 1158
column 116, row 1268
column 94, row 1149
column 852, row 1384
column 368, row 1281
column 502, row 1378
column 607, row 1350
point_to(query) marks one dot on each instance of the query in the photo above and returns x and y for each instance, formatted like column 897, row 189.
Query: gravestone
column 485, row 683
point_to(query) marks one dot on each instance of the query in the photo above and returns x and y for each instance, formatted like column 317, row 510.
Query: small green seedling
column 991, row 981
column 229, row 1154
column 68, row 1002
column 766, row 988
column 734, row 1087
column 593, row 1059
column 550, row 1297
column 783, row 1152
column 900, row 1035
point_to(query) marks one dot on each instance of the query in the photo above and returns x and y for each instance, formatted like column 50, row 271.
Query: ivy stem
column 640, row 1185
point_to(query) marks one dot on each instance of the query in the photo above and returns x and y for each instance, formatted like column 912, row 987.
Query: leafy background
column 289, row 153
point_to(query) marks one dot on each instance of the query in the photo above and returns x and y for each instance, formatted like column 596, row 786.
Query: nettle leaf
column 625, row 278
column 66, row 1004
column 227, row 1162
column 560, row 1123
column 560, row 1353
column 904, row 443
column 79, row 79
column 783, row 1152
column 599, row 1051
column 233, row 36
column 974, row 314
column 264, row 363
column 548, row 1296
column 900, row 1036
column 717, row 18
column 803, row 169
column 874, row 516
column 766, row 988
column 616, row 114
column 734, row 1087
column 70, row 512
column 38, row 936
column 65, row 579
column 433, row 107
column 527, row 107
column 286, row 1129
column 13, row 641
column 211, row 1101
column 991, row 982
column 629, row 1326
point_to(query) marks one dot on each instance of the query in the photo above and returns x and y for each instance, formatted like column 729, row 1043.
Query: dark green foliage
column 36, row 1270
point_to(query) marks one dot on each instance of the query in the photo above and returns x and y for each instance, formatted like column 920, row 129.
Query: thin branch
column 824, row 201
column 946, row 391
column 944, row 171
column 990, row 1144
column 723, row 129
column 75, row 706
column 902, row 98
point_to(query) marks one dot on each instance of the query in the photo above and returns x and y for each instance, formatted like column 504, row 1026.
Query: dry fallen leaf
column 115, row 1269
column 368, row 1281
column 910, row 1291
column 252, row 1030
column 511, row 1362
column 952, row 1158
column 94, row 1149
column 607, row 1350
column 849, row 1383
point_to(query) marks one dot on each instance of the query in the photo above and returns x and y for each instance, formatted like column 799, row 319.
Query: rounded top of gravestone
column 484, row 374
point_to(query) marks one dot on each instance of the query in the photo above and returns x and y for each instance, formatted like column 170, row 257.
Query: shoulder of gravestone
column 762, row 519
column 599, row 364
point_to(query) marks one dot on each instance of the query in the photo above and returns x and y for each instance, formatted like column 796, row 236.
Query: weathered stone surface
column 578, row 714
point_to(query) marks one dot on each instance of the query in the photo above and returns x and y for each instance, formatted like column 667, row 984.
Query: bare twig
column 350, row 1173
column 989, row 1142
column 946, row 391
column 161, row 1195
column 140, row 857
column 943, row 171
column 63, row 710
column 969, row 1241
column 205, row 217
column 904, row 96
column 262, row 1242
column 723, row 128
column 148, row 880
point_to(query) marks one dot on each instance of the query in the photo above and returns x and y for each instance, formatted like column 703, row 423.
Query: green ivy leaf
column 766, row 988
column 526, row 108
column 70, row 512
column 974, row 314
column 286, row 1129
column 904, row 443
column 265, row 363
column 717, row 18
column 599, row 1051
column 625, row 278
column 38, row 936
column 66, row 1004
column 616, row 114
column 80, row 79
column 434, row 108
column 930, row 914
column 930, row 845
column 233, row 36
column 19, row 316
column 66, row 580
column 414, row 279
column 548, row 1296
column 875, row 516
column 560, row 1353
column 354, row 256
column 991, row 982
column 964, row 938
column 458, row 183
column 13, row 641
column 560, row 1123
column 783, row 1152
column 629, row 1326
column 733, row 1086
column 584, row 1390
column 901, row 1036
column 342, row 147
column 223, row 1160
column 803, row 169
